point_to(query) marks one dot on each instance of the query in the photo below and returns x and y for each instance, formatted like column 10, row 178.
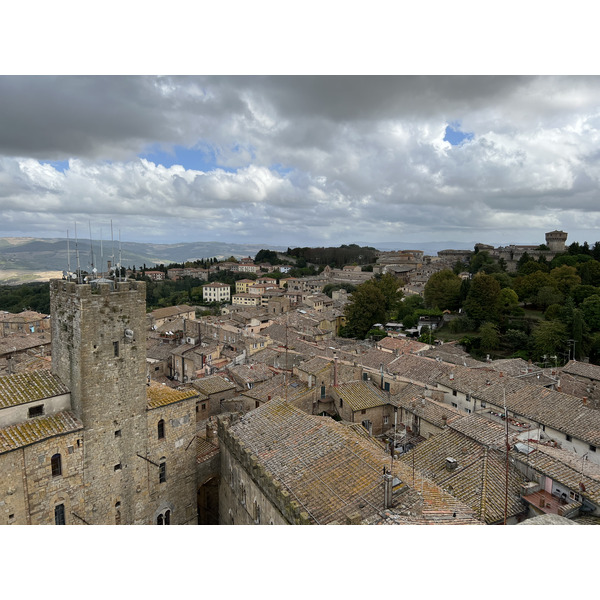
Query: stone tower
column 556, row 241
column 99, row 352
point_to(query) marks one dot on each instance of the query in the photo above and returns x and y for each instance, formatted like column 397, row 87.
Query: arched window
column 56, row 465
column 162, row 470
column 59, row 514
column 164, row 518
column 161, row 429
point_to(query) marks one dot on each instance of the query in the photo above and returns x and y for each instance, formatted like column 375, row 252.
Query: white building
column 216, row 292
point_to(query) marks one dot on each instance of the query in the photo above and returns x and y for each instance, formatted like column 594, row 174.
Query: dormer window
column 35, row 411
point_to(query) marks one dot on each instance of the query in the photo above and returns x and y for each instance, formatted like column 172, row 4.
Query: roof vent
column 451, row 376
column 451, row 464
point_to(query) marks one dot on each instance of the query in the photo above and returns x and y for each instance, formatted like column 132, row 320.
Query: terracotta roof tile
column 21, row 388
column 160, row 395
column 35, row 430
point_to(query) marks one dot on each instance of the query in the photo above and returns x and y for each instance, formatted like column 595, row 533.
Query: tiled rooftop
column 160, row 395
column 15, row 343
column 38, row 429
column 315, row 365
column 401, row 345
column 360, row 395
column 581, row 369
column 427, row 409
column 332, row 472
column 276, row 388
column 418, row 368
column 481, row 430
column 21, row 388
column 213, row 385
column 564, row 467
column 479, row 478
column 170, row 311
column 251, row 373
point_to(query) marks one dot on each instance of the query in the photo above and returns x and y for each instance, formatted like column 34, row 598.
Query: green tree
column 481, row 259
column 549, row 338
column 366, row 308
column 566, row 278
column 390, row 288
column 442, row 290
column 589, row 272
column 546, row 296
column 508, row 300
column 528, row 286
column 408, row 306
column 490, row 337
column 482, row 302
column 515, row 340
column 591, row 312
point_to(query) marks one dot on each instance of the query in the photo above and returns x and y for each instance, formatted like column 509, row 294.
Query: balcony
column 542, row 501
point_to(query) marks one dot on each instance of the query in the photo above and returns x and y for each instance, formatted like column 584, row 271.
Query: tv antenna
column 77, row 255
column 94, row 270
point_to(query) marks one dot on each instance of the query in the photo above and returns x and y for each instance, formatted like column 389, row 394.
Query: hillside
column 37, row 259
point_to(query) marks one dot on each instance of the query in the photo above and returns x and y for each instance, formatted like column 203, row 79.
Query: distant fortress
column 555, row 244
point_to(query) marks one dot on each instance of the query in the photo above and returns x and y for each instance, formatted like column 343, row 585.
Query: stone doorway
column 208, row 502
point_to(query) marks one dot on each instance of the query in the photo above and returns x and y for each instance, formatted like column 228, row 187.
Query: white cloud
column 303, row 160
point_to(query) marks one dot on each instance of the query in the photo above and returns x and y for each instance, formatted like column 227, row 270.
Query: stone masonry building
column 93, row 442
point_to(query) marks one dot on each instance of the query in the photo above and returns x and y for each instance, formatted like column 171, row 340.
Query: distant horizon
column 301, row 160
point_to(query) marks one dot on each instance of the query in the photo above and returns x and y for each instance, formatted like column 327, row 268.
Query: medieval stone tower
column 99, row 352
column 556, row 241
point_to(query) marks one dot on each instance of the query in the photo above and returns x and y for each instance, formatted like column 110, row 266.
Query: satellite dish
column 64, row 274
column 94, row 270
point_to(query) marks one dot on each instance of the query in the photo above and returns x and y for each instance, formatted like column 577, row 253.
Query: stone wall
column 104, row 365
column 30, row 493
column 177, row 450
column 246, row 484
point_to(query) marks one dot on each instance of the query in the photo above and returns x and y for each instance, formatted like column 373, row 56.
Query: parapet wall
column 264, row 479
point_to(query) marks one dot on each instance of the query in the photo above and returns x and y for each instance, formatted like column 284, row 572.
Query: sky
column 301, row 160
column 269, row 147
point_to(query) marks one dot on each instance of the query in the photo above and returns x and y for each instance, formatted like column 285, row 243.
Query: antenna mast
column 91, row 248
column 101, row 255
column 77, row 255
column 119, row 255
column 112, row 261
column 68, row 258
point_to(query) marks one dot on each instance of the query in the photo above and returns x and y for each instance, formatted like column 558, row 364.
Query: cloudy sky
column 291, row 160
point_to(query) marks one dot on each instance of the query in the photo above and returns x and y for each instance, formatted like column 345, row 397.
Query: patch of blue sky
column 59, row 165
column 455, row 136
column 281, row 169
column 196, row 159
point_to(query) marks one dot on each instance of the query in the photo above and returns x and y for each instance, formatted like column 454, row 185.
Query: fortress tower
column 556, row 241
column 99, row 352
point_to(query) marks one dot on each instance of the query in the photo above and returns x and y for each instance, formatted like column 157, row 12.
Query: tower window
column 162, row 472
column 116, row 348
column 256, row 513
column 59, row 514
column 118, row 433
column 56, row 465
column 164, row 518
column 161, row 429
